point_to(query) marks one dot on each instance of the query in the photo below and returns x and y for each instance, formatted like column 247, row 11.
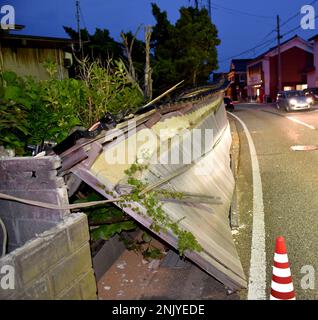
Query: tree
column 99, row 45
column 196, row 3
column 184, row 51
column 198, row 39
column 134, row 54
column 163, row 29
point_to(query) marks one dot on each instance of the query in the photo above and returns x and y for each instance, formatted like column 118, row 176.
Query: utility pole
column 78, row 19
column 279, row 68
column 210, row 8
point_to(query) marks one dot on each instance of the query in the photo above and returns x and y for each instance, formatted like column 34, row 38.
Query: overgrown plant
column 143, row 245
column 54, row 107
column 34, row 111
column 150, row 201
column 107, row 221
column 14, row 108
column 108, row 88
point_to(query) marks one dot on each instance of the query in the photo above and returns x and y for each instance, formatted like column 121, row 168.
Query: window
column 295, row 94
column 242, row 78
column 301, row 86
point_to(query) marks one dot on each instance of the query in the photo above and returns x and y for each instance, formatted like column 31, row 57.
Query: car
column 313, row 93
column 229, row 106
column 293, row 100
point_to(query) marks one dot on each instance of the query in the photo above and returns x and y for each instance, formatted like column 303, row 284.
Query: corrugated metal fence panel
column 210, row 175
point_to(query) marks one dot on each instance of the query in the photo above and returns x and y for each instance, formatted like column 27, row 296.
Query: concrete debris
column 121, row 265
column 154, row 264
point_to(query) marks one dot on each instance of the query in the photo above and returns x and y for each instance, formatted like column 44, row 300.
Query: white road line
column 300, row 122
column 257, row 276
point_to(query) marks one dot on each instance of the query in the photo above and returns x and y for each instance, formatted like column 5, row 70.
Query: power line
column 235, row 11
column 296, row 15
column 261, row 45
column 78, row 19
column 292, row 30
column 82, row 15
column 270, row 33
column 268, row 42
column 210, row 8
column 298, row 27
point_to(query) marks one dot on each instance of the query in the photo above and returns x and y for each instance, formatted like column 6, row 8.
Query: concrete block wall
column 48, row 249
column 32, row 179
column 55, row 265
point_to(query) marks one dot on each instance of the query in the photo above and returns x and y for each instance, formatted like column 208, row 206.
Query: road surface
column 289, row 191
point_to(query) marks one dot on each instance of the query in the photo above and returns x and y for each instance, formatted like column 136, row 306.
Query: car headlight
column 293, row 101
column 309, row 100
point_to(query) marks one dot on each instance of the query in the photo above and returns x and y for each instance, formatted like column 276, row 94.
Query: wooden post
column 148, row 70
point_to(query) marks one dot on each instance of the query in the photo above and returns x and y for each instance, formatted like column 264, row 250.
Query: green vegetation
column 143, row 244
column 105, row 221
column 110, row 220
column 32, row 112
column 14, row 111
column 186, row 50
column 150, row 201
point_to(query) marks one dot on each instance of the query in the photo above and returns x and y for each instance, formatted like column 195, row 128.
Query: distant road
column 289, row 181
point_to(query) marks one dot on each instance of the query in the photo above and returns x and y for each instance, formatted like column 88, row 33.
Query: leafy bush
column 14, row 108
column 105, row 221
column 108, row 89
column 33, row 111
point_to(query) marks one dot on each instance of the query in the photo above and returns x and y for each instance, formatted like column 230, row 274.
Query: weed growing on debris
column 150, row 201
column 107, row 221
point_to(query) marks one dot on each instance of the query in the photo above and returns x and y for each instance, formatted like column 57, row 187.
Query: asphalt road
column 290, row 188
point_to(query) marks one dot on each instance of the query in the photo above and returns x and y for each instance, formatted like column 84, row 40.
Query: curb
column 234, row 153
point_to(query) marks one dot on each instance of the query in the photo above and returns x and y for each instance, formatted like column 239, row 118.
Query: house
column 238, row 79
column 312, row 77
column 26, row 54
column 297, row 61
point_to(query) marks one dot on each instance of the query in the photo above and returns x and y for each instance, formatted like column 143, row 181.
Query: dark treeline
column 185, row 50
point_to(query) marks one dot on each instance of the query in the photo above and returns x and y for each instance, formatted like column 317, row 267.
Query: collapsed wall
column 48, row 253
column 207, row 177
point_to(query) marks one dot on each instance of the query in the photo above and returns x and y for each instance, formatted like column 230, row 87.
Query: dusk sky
column 242, row 24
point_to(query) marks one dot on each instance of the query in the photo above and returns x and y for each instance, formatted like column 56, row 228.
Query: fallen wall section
column 49, row 251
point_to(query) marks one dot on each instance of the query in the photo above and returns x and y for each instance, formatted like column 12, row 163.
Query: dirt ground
column 133, row 278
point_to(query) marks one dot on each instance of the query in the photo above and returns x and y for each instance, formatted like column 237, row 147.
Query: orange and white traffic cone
column 282, row 283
